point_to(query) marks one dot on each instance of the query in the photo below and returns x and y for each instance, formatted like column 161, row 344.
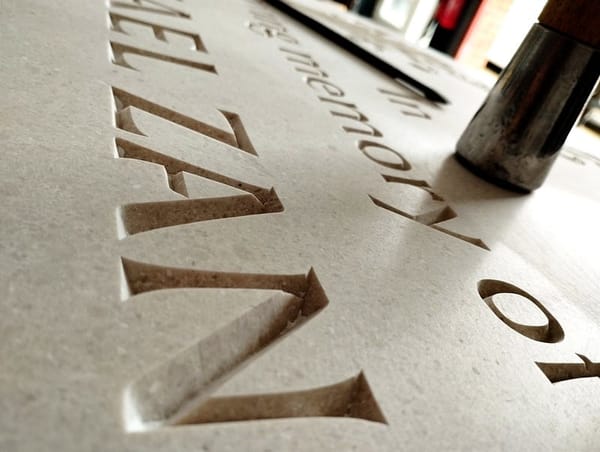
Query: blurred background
column 483, row 34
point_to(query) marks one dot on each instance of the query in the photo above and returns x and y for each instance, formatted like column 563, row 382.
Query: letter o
column 551, row 332
column 403, row 165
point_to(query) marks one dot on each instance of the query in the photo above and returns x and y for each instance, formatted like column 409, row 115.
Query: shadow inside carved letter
column 179, row 390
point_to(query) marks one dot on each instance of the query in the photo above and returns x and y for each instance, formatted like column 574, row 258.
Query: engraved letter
column 158, row 8
column 125, row 101
column 141, row 217
column 428, row 218
column 231, row 197
column 328, row 87
column 568, row 371
column 551, row 332
column 159, row 30
column 308, row 64
column 120, row 50
column 402, row 165
column 410, row 101
column 355, row 115
column 179, row 390
column 271, row 29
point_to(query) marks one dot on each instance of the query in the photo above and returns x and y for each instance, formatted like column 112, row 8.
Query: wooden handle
column 578, row 19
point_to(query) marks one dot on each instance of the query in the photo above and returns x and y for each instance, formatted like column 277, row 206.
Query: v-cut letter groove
column 179, row 390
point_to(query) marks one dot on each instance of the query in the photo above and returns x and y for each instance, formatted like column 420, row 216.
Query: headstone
column 222, row 231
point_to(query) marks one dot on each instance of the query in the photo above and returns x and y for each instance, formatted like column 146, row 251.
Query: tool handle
column 578, row 19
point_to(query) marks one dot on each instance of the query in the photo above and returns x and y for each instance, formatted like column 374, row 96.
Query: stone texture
column 191, row 236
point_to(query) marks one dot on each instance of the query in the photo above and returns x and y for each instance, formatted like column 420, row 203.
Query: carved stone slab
column 222, row 232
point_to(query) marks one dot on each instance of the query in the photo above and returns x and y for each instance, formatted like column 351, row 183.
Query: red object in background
column 448, row 13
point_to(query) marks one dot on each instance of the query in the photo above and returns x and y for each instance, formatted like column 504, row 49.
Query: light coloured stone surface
column 334, row 307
